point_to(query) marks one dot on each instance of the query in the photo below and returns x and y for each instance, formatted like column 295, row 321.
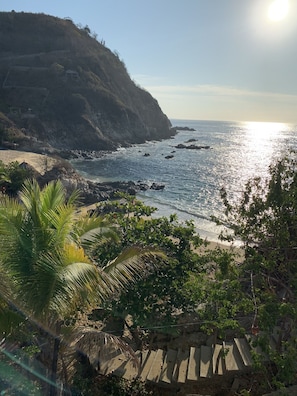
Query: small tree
column 12, row 176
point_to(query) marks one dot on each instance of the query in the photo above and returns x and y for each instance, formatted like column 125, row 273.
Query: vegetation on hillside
column 64, row 88
column 265, row 220
column 10, row 135
column 80, row 264
column 12, row 177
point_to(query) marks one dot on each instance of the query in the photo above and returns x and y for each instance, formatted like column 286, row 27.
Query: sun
column 278, row 10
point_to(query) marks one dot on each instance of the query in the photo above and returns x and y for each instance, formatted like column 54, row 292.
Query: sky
column 233, row 60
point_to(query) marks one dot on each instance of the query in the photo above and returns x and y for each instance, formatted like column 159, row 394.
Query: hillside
column 60, row 87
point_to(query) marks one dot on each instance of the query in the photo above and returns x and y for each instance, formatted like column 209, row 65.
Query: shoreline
column 211, row 244
column 43, row 162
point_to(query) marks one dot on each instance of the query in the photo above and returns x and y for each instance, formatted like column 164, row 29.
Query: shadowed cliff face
column 62, row 87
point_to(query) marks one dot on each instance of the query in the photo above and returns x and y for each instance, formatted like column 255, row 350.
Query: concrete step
column 217, row 360
column 185, row 364
column 206, row 362
column 143, row 357
column 147, row 365
column 194, row 364
column 114, row 365
column 244, row 350
column 181, row 366
column 156, row 367
column 233, row 361
column 168, row 366
column 131, row 369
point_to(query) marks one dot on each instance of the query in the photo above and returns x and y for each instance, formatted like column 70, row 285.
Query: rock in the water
column 191, row 147
column 156, row 186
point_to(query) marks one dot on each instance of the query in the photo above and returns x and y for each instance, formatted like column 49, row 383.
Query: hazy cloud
column 214, row 90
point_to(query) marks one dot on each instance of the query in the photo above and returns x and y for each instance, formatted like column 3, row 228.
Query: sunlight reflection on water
column 193, row 178
column 255, row 145
column 261, row 137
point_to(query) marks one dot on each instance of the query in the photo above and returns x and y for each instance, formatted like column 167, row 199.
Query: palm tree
column 44, row 257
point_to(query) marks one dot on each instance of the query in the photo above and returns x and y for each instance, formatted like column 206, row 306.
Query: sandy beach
column 40, row 162
column 43, row 163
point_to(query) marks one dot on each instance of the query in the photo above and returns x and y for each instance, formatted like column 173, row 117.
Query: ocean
column 193, row 178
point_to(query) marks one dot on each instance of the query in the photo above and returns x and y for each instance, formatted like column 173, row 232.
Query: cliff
column 60, row 87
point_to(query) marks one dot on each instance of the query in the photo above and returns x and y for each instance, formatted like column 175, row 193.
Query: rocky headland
column 67, row 91
column 67, row 96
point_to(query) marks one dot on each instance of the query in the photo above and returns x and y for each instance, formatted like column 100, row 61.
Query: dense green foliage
column 265, row 220
column 153, row 300
column 12, row 176
column 180, row 285
column 110, row 385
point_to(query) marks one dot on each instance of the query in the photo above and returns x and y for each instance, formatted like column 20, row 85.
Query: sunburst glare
column 278, row 10
column 265, row 129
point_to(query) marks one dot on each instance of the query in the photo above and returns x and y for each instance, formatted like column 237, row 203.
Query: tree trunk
column 53, row 375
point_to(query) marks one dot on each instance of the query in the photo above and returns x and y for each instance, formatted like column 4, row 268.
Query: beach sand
column 40, row 162
column 236, row 249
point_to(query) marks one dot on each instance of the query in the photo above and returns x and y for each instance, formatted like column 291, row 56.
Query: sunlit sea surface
column 193, row 178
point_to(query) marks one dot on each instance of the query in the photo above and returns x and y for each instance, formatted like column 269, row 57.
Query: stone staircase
column 186, row 365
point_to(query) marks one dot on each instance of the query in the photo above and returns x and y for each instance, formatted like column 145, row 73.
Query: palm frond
column 99, row 346
column 87, row 222
column 30, row 198
column 37, row 288
column 5, row 287
column 76, row 282
column 60, row 220
column 11, row 214
column 93, row 229
column 98, row 234
column 131, row 265
column 73, row 253
column 16, row 235
column 74, row 198
column 9, row 320
column 52, row 196
column 78, row 276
